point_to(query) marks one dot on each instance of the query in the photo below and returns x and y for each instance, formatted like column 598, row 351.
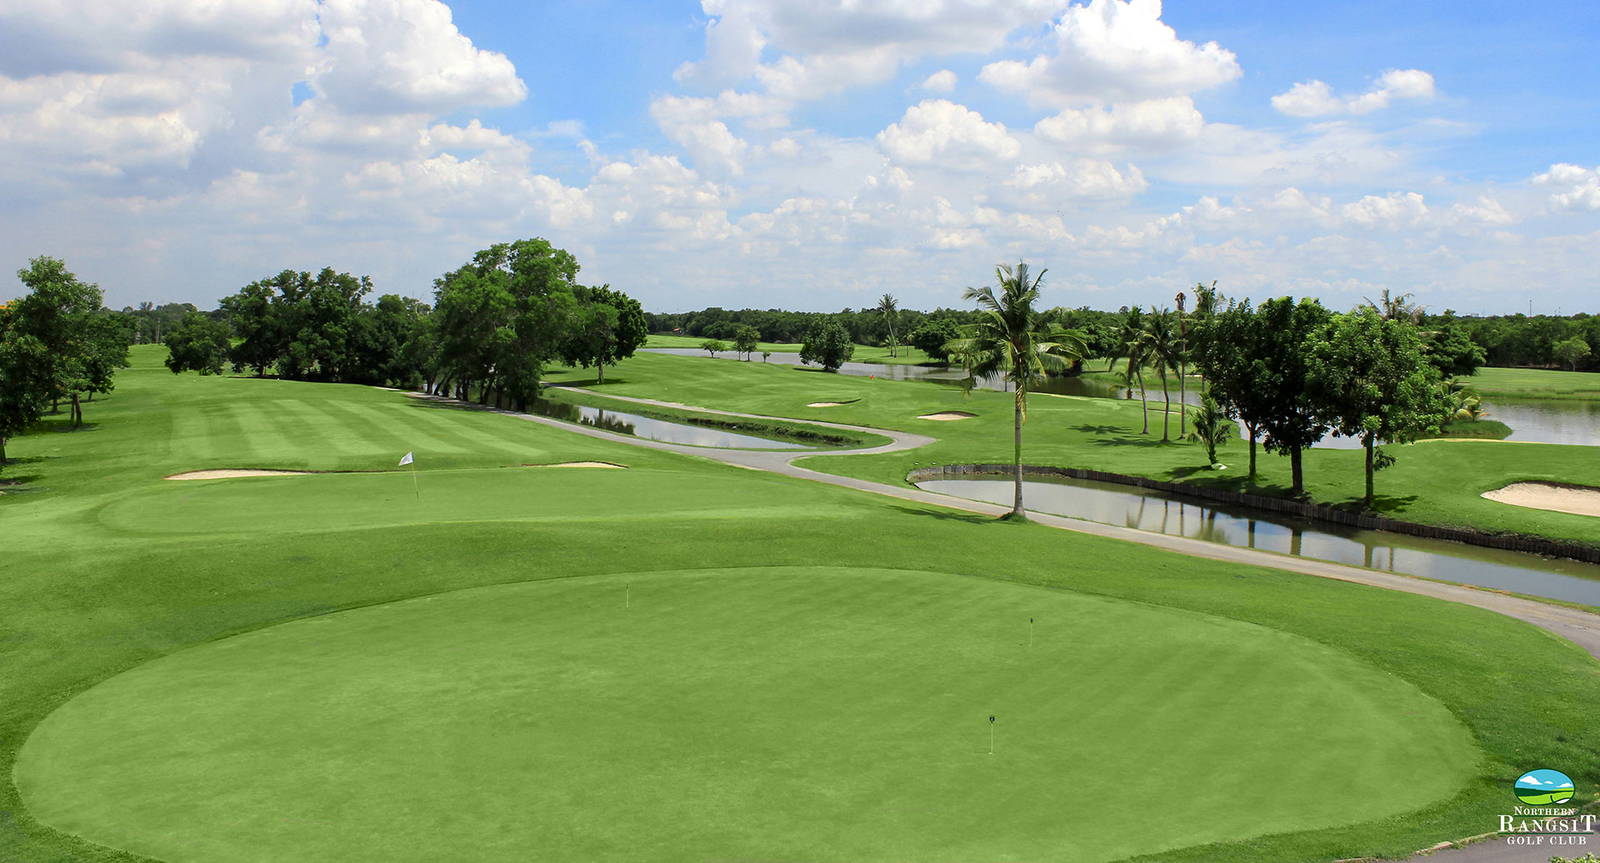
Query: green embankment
column 785, row 629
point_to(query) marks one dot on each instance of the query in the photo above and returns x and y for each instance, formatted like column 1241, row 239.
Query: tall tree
column 1010, row 338
column 25, row 381
column 1183, row 361
column 58, row 311
column 608, row 327
column 1234, row 356
column 828, row 345
column 889, row 308
column 198, row 344
column 1375, row 383
column 1162, row 350
column 1297, row 418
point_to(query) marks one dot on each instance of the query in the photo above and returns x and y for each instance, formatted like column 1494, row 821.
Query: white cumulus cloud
column 938, row 128
column 1113, row 51
column 1316, row 99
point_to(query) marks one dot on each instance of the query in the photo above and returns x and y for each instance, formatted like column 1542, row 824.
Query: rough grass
column 904, row 355
column 1536, row 383
column 109, row 567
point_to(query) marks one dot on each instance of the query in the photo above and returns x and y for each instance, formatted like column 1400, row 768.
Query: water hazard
column 656, row 429
column 1564, row 421
column 1142, row 509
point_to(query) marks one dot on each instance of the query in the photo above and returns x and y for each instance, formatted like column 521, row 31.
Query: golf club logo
column 1544, row 788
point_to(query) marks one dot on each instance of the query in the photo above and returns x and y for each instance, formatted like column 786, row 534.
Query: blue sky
column 810, row 154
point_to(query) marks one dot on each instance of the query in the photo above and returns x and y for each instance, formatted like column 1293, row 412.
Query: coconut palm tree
column 1162, row 347
column 1183, row 363
column 1011, row 338
column 890, row 309
column 1130, row 336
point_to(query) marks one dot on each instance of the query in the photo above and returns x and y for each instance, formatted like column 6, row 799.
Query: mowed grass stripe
column 464, row 428
column 326, row 437
column 388, row 429
column 226, row 436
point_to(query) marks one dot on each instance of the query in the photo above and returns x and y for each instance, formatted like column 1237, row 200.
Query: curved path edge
column 1579, row 627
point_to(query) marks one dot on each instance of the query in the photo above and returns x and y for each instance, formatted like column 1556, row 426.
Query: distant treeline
column 493, row 327
column 1571, row 342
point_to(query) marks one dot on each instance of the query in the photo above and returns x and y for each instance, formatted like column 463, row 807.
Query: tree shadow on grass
column 946, row 515
column 1099, row 429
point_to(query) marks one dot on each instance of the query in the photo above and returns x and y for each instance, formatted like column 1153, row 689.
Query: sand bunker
column 605, row 464
column 827, row 404
column 234, row 474
column 1546, row 495
column 947, row 416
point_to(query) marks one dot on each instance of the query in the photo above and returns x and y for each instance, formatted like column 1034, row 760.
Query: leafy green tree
column 713, row 346
column 1282, row 374
column 1450, row 349
column 25, row 381
column 510, row 310
column 107, row 337
column 1369, row 372
column 1162, row 350
column 889, row 309
column 828, row 345
column 254, row 318
column 1234, row 356
column 610, row 327
column 58, row 311
column 932, row 335
column 1011, row 339
column 1212, row 427
column 198, row 343
column 745, row 340
column 1570, row 351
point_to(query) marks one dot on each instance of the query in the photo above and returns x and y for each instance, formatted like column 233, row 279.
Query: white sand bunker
column 234, row 474
column 1547, row 495
column 827, row 404
column 604, row 464
column 947, row 416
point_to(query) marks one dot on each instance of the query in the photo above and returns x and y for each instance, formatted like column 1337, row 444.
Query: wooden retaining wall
column 1302, row 509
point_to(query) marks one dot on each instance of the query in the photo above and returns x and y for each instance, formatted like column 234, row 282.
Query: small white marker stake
column 991, row 734
column 627, row 597
column 1030, row 632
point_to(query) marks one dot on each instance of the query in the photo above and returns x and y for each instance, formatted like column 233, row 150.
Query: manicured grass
column 1434, row 482
column 1536, row 383
column 903, row 355
column 726, row 713
column 109, row 568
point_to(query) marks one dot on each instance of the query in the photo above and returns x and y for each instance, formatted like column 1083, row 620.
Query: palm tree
column 1162, row 345
column 1183, row 363
column 1397, row 307
column 1010, row 337
column 1212, row 427
column 890, row 309
column 1130, row 336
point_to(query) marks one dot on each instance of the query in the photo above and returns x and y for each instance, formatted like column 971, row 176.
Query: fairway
column 726, row 714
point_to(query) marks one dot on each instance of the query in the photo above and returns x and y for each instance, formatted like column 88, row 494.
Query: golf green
column 784, row 713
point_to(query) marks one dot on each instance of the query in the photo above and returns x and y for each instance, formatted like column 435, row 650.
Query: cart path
column 1579, row 627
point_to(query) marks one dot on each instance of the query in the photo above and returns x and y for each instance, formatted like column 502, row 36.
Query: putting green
column 784, row 713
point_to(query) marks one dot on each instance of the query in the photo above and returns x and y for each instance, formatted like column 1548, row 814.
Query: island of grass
column 690, row 661
column 1475, row 429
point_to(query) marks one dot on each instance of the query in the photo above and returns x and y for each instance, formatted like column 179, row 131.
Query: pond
column 656, row 429
column 1564, row 421
column 1143, row 509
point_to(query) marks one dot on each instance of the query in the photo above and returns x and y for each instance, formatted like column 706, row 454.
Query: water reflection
column 1159, row 513
column 654, row 429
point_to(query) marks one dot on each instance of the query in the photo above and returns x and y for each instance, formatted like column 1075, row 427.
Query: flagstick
column 991, row 735
column 1030, row 632
column 414, row 486
column 628, row 597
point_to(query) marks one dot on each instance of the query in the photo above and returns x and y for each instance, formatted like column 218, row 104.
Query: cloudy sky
column 813, row 154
